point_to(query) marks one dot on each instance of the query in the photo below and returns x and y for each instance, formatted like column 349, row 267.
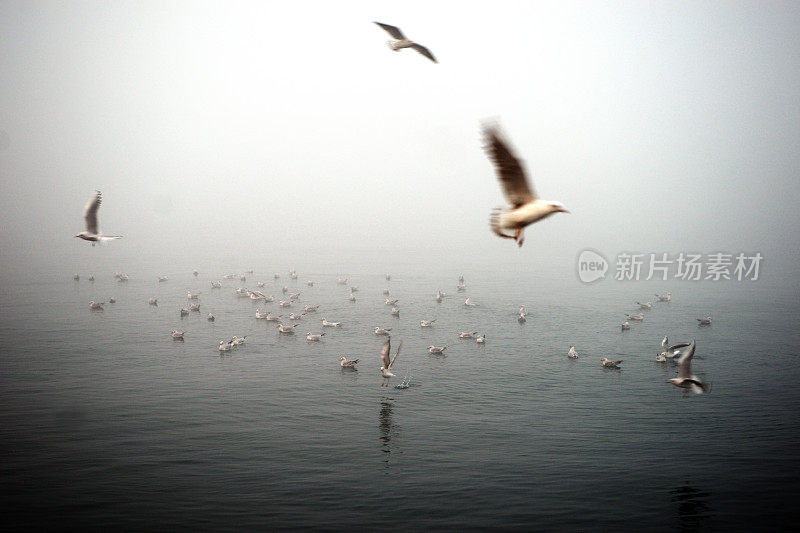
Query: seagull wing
column 508, row 168
column 90, row 212
column 424, row 51
column 396, row 353
column 394, row 31
column 674, row 348
column 385, row 351
column 685, row 363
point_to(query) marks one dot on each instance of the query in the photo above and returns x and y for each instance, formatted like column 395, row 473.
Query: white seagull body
column 664, row 297
column 92, row 233
column 427, row 323
column 272, row 318
column 311, row 337
column 395, row 311
column 646, row 305
column 399, row 41
column 637, row 318
column 194, row 296
column 382, row 331
column 311, row 308
column 210, row 317
column 469, row 303
column 466, row 335
column 216, row 284
column 153, row 301
column 526, row 207
column 260, row 315
column 194, row 307
column 327, row 324
column 481, row 339
column 625, row 326
column 177, row 334
column 96, row 305
column 162, row 278
column 608, row 363
column 685, row 379
column 436, row 350
column 287, row 329
column 224, row 346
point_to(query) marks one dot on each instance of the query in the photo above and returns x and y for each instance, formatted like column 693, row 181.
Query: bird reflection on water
column 693, row 511
column 387, row 427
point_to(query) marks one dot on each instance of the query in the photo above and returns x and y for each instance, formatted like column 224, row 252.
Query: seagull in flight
column 386, row 366
column 685, row 379
column 527, row 208
column 400, row 41
column 92, row 233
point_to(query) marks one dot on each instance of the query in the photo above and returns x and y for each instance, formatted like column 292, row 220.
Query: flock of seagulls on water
column 525, row 209
column 683, row 352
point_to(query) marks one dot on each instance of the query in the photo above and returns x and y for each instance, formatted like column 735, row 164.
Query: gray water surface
column 106, row 422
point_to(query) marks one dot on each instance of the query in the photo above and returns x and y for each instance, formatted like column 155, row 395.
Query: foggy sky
column 271, row 132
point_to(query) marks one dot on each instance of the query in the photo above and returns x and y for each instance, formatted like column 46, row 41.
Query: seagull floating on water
column 153, row 301
column 637, row 318
column 527, row 208
column 626, row 326
column 704, row 321
column 665, row 297
column 194, row 307
column 572, row 354
column 348, row 364
column 395, row 311
column 436, row 350
column 96, row 305
column 112, row 300
column 685, row 379
column 311, row 308
column 399, row 41
column 608, row 363
column 92, row 233
column 162, row 279
column 177, row 334
column 224, row 346
column 184, row 311
column 216, row 284
column 646, row 305
column 466, row 335
column 287, row 329
column 382, row 331
column 210, row 317
column 426, row 323
column 311, row 337
column 331, row 324
column 469, row 303
column 481, row 339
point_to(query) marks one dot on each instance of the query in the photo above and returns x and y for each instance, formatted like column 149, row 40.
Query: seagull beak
column 563, row 211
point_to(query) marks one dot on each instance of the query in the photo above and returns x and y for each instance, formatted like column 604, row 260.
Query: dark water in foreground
column 107, row 423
